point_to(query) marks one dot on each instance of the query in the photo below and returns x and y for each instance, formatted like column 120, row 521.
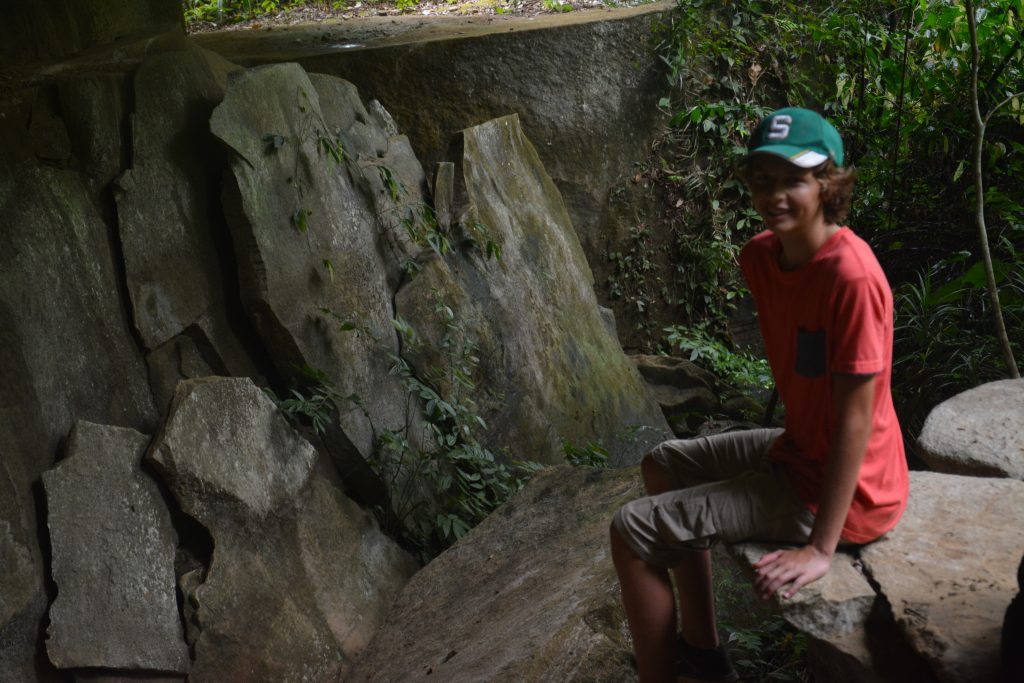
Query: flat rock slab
column 836, row 605
column 528, row 595
column 949, row 570
column 300, row 576
column 113, row 558
column 978, row 432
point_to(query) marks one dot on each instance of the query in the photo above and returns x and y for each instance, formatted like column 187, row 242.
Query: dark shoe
column 697, row 665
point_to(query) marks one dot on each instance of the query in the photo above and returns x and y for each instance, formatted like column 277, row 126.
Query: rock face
column 830, row 608
column 37, row 31
column 113, row 558
column 978, row 432
column 300, row 576
column 68, row 354
column 562, row 375
column 529, row 595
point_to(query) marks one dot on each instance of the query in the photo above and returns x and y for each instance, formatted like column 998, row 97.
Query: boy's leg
column 679, row 463
column 674, row 529
column 693, row 574
column 650, row 611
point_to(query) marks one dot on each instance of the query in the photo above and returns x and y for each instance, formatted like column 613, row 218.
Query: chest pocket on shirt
column 810, row 352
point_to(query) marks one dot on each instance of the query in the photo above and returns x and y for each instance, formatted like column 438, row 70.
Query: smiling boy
column 835, row 474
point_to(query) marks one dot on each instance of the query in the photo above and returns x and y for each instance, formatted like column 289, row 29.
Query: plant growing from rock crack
column 592, row 455
column 466, row 480
column 444, row 487
column 313, row 405
column 420, row 224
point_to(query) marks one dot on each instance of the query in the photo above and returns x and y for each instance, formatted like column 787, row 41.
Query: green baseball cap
column 800, row 136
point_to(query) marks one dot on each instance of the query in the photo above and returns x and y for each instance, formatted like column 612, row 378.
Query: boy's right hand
column 796, row 567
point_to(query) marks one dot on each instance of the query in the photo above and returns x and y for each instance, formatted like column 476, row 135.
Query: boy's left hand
column 797, row 567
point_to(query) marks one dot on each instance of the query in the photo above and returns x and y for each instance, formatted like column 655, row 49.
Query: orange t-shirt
column 833, row 315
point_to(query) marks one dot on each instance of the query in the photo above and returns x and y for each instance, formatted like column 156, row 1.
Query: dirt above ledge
column 332, row 34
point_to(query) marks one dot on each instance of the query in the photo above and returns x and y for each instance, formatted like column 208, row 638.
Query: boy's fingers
column 765, row 559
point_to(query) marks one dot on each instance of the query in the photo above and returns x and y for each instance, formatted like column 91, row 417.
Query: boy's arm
column 853, row 401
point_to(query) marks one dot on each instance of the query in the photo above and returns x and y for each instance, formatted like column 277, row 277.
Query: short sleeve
column 860, row 328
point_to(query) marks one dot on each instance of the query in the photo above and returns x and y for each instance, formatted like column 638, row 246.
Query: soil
column 455, row 8
column 293, row 34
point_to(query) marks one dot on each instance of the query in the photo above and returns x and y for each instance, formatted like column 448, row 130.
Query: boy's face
column 787, row 197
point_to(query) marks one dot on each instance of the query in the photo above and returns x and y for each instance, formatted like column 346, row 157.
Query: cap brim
column 798, row 156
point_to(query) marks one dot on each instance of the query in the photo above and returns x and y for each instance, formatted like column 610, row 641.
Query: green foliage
column 394, row 185
column 762, row 645
column 221, row 11
column 335, row 149
column 634, row 278
column 944, row 343
column 421, row 226
column 312, row 406
column 300, row 219
column 774, row 651
column 592, row 455
column 556, row 6
column 463, row 478
column 737, row 368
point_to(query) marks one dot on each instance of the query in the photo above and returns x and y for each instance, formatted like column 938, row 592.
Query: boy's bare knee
column 656, row 478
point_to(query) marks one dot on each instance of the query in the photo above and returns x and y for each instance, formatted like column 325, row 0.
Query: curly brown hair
column 836, row 189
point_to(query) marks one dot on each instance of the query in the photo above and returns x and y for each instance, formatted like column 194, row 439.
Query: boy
column 835, row 474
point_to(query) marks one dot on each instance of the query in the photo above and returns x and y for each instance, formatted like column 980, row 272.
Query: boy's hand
column 797, row 567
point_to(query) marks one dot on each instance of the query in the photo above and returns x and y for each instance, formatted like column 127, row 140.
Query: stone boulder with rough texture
column 690, row 398
column 551, row 372
column 529, row 595
column 926, row 601
column 949, row 570
column 300, row 576
column 978, row 432
column 113, row 558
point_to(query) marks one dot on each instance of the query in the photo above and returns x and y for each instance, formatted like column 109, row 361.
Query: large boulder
column 926, row 601
column 528, row 595
column 552, row 372
column 978, row 432
column 300, row 576
column 313, row 261
column 113, row 558
column 949, row 570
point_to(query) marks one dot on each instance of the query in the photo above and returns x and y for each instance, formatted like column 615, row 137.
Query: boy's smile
column 787, row 197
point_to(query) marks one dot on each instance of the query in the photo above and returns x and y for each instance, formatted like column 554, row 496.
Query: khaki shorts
column 728, row 490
